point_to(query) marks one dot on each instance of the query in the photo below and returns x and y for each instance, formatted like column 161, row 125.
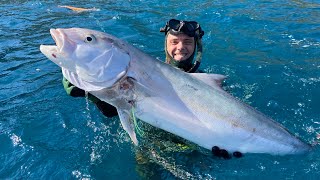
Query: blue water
column 270, row 51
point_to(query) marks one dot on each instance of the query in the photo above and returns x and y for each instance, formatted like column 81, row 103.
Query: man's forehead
column 179, row 37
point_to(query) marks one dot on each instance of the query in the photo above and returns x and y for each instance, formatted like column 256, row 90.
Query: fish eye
column 90, row 38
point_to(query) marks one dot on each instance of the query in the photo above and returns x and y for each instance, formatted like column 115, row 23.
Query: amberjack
column 190, row 105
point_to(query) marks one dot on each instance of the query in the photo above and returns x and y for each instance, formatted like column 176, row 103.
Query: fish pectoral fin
column 127, row 124
column 213, row 80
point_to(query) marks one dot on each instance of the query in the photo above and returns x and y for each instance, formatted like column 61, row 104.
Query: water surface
column 268, row 49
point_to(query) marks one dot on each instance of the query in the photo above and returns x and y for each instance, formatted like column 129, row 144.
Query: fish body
column 192, row 106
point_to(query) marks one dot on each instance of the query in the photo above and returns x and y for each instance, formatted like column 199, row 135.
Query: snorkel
column 191, row 29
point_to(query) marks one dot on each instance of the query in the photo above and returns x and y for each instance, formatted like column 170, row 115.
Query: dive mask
column 190, row 28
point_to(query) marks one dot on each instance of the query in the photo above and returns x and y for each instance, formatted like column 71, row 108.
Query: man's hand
column 71, row 89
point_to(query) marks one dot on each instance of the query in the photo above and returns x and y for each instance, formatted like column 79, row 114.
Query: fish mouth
column 49, row 49
column 55, row 34
column 62, row 48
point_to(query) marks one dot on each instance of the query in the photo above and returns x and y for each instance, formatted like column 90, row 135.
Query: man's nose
column 180, row 45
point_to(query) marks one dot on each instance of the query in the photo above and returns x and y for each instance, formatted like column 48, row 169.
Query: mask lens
column 187, row 27
column 174, row 24
column 191, row 26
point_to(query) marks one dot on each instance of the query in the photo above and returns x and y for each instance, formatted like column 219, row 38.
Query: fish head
column 94, row 57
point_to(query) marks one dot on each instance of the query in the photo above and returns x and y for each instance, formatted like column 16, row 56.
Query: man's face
column 180, row 47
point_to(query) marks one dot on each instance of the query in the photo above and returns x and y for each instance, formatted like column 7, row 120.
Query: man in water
column 182, row 42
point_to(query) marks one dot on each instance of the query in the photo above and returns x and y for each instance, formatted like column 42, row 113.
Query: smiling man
column 180, row 47
column 182, row 42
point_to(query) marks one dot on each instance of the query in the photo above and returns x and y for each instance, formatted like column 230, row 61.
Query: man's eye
column 90, row 38
column 174, row 42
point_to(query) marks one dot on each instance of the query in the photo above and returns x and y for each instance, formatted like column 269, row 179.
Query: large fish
column 192, row 106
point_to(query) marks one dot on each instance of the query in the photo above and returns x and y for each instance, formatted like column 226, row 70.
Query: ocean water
column 270, row 51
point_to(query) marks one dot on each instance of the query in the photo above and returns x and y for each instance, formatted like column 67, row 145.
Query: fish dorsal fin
column 213, row 80
column 128, row 124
